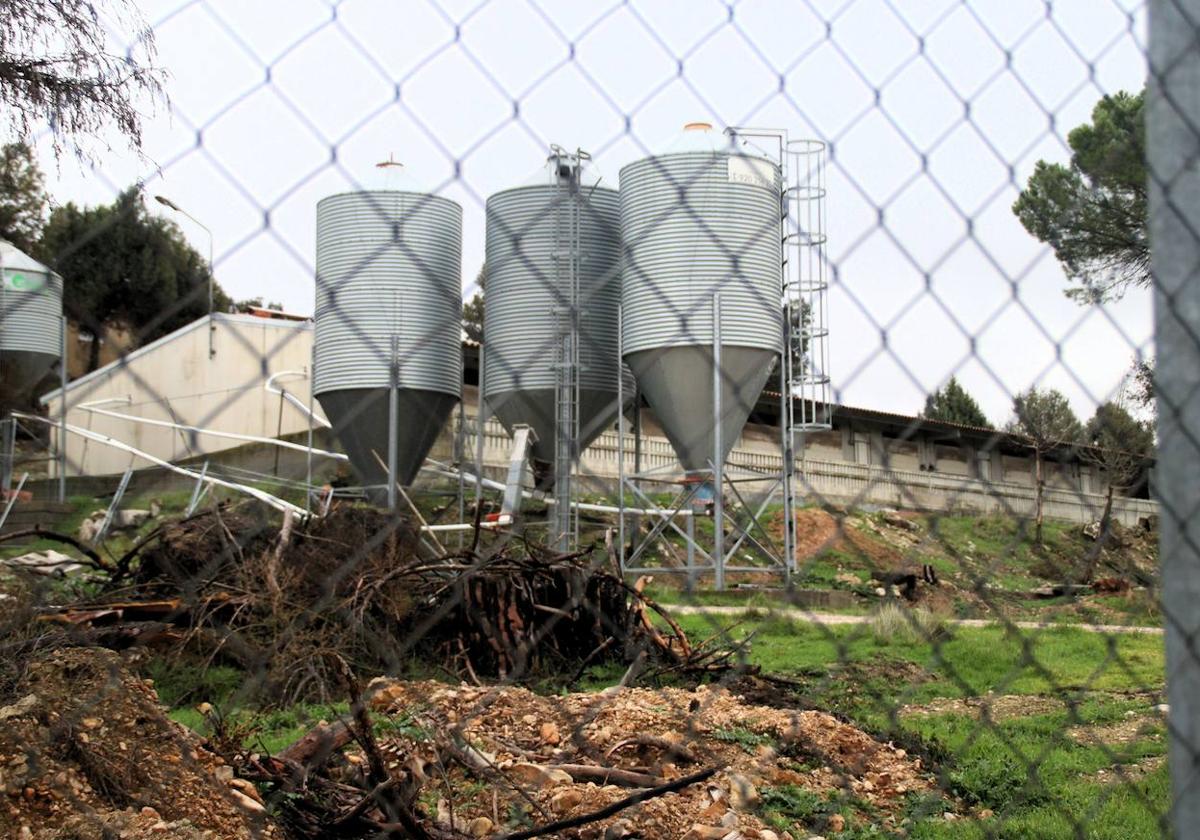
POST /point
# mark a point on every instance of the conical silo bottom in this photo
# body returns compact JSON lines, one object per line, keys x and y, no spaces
{"x":677,"y":382}
{"x":534,"y":407}
{"x":20,"y":370}
{"x":360,"y":423}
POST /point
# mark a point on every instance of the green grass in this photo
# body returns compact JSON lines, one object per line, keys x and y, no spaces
{"x":180,"y":683}
{"x":68,"y":523}
{"x":744,"y":738}
{"x":1059,"y":798}
{"x":969,"y":660}
{"x":1002,"y":549}
{"x":269,"y":730}
{"x":985,"y":766}
{"x":1023,"y":761}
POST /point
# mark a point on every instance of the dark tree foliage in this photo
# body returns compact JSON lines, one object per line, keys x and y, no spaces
{"x":472,"y":314}
{"x":23,"y":198}
{"x":57,"y":68}
{"x":1046,"y":418}
{"x":1114,"y":428}
{"x":1143,"y":383}
{"x":255,"y":303}
{"x":121,"y":264}
{"x":952,"y":404}
{"x":1093,"y":212}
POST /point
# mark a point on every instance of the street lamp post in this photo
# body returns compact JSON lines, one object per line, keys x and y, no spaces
{"x":212,"y":327}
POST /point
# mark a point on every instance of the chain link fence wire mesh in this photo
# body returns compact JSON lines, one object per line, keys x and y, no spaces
{"x":601,"y":462}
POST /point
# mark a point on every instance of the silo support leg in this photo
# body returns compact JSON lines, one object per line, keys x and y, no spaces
{"x":523,"y":439}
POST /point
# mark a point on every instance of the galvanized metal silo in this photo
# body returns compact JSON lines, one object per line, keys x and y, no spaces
{"x":30,"y":321}
{"x":701,"y":219}
{"x":553,"y":252}
{"x":389,"y":304}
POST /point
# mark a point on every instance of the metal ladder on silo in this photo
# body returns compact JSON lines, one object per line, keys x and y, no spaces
{"x":806,"y":325}
{"x":566,"y":363}
{"x":806,"y":285}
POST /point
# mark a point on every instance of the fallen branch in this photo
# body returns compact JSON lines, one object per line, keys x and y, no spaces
{"x":599,"y":649}
{"x":363,"y":805}
{"x":670,"y":748}
{"x":667,"y":617}
{"x":42,"y":533}
{"x":315,"y":747}
{"x":608,"y":775}
{"x":397,"y":811}
{"x":615,"y":808}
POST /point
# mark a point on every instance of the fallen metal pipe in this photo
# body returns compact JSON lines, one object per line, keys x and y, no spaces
{"x":91,"y":407}
{"x":262,"y":496}
{"x":292,"y":398}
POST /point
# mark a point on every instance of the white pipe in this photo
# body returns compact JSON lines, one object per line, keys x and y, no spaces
{"x":629,"y":511}
{"x":291,"y":398}
{"x":262,"y":496}
{"x":337,"y":456}
{"x":125,"y":400}
{"x":496,"y":485}
{"x":467,"y":526}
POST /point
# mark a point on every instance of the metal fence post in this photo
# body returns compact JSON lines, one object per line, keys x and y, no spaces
{"x":64,"y":375}
{"x":1173,"y":146}
{"x":718,"y":474}
{"x":8,"y":436}
{"x":393,"y":432}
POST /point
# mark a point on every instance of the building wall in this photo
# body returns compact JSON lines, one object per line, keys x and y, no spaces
{"x":175,"y":380}
{"x":826,"y":480}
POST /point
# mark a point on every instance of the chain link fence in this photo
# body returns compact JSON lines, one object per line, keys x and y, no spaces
{"x":637,"y":496}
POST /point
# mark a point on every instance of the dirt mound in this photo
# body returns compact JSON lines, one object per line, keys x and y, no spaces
{"x":819,"y":530}
{"x":577,"y":753}
{"x":87,"y":752}
{"x":816,"y":531}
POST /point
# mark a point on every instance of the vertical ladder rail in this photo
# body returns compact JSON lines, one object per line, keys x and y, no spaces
{"x":566,"y":275}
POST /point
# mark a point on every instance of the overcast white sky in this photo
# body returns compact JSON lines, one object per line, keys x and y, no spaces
{"x":469,"y":95}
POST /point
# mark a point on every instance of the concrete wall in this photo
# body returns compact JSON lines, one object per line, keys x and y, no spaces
{"x":174,"y":379}
{"x":825,"y":480}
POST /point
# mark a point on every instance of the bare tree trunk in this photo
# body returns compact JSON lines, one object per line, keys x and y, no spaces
{"x":1041,"y":483}
{"x":94,"y":353}
{"x":1101,"y":538}
{"x":1106,"y":517}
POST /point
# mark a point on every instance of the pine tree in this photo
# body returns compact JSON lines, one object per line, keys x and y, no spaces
{"x":952,"y":404}
{"x":472,"y":314}
{"x":1121,"y":446}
